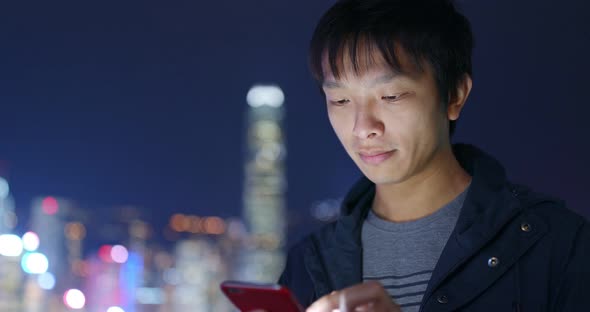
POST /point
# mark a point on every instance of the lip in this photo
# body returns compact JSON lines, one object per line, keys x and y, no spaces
{"x":375,"y":157}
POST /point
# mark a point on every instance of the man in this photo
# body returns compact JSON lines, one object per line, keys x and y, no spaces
{"x":430,"y":226}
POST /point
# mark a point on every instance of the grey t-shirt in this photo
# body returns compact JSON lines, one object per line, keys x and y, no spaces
{"x":403,"y":255}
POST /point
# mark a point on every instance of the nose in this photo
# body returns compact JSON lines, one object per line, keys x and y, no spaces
{"x":367,"y":124}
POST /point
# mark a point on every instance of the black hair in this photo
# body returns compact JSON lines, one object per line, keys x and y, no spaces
{"x":430,"y":32}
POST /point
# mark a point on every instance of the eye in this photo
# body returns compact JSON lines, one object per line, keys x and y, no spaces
{"x":339,"y":102}
{"x":393,"y":98}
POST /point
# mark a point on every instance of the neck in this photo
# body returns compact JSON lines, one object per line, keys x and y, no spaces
{"x":436,"y":185}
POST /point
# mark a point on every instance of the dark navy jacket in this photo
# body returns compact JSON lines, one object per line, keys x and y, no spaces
{"x":542,"y":248}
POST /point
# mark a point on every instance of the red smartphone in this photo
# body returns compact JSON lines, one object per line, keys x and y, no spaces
{"x":250,"y":297}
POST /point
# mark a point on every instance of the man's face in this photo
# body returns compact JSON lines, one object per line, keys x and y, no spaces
{"x":391,"y":125}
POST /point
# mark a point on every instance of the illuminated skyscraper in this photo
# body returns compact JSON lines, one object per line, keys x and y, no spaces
{"x":264,"y":185}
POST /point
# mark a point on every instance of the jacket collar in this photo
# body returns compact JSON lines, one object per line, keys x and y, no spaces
{"x":489,"y":205}
{"x":488,"y":180}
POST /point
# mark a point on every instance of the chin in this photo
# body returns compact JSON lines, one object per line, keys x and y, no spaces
{"x":383,"y":179}
{"x":385,"y":173}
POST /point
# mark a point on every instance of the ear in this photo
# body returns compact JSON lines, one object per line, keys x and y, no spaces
{"x":457,"y":102}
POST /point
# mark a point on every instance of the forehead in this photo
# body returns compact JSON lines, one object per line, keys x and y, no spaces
{"x":368,"y":79}
{"x":364,"y":60}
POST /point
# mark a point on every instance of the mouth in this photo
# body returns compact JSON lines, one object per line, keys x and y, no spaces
{"x":375,"y":157}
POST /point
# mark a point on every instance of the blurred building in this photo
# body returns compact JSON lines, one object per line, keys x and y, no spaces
{"x":112,"y":278}
{"x":264,"y":186}
{"x":199,"y":270}
{"x":119,"y":270}
{"x":10,"y":273}
{"x":56,"y":265}
{"x":48,"y":217}
{"x":7,"y":215}
{"x":10,"y":284}
{"x":131,"y":271}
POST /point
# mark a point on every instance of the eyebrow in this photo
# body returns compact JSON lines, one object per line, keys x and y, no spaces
{"x":332,"y":84}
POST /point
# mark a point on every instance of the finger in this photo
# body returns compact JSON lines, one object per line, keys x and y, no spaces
{"x":361,"y":294}
{"x":327,"y":303}
{"x":342,"y":306}
{"x":365,"y":308}
{"x":368,"y":293}
{"x":368,"y":296}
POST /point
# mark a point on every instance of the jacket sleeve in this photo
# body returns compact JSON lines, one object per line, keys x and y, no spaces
{"x":296,"y":278}
{"x":573,"y":293}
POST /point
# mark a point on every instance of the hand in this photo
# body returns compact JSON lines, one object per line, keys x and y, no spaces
{"x":365,"y":297}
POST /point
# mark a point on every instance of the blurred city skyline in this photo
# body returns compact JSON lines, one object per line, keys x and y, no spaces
{"x":57,"y":265}
{"x":143,"y":104}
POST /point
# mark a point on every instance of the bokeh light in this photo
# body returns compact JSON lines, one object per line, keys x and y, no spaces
{"x":269,"y":95}
{"x":34,"y":263}
{"x":179,"y":222}
{"x":75,"y":231}
{"x":46,"y":281}
{"x":49,"y":205}
{"x":104,"y":253}
{"x":214,"y":225}
{"x":10,"y":245}
{"x":30,"y":241}
{"x":74,"y":299}
{"x":115,"y":309}
{"x":119,"y":254}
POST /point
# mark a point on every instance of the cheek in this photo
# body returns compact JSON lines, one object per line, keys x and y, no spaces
{"x":339,"y":125}
{"x":414,"y":126}
{"x":405,"y":124}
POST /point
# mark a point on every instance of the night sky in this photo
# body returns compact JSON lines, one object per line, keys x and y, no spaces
{"x":142,"y":103}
